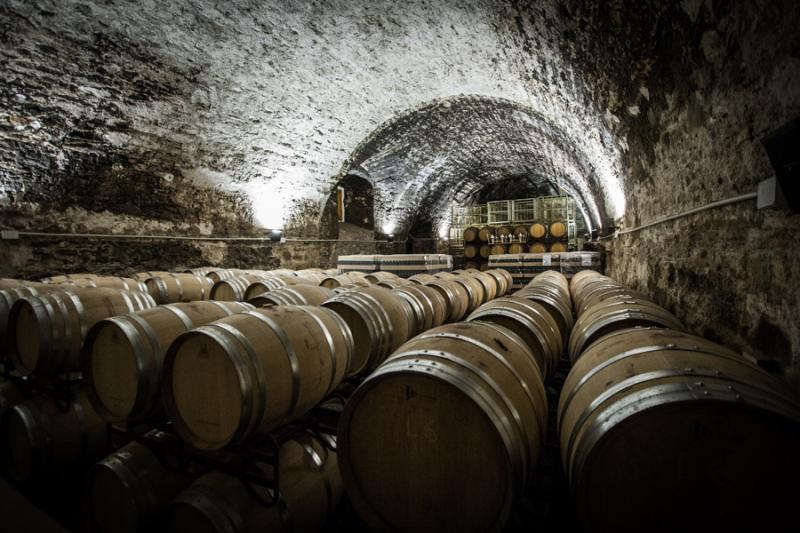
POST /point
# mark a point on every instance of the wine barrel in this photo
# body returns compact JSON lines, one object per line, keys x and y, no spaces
{"x":130,"y":489}
{"x":455,"y":296}
{"x":503,"y":231}
{"x":532,"y":323}
{"x":422,"y":279}
{"x":294,"y":295}
{"x":521,"y":233}
{"x":11,"y":295}
{"x":122,"y":356}
{"x":10,"y":283}
{"x":558,"y":230}
{"x":612,"y":315}
{"x":315,"y":275}
{"x":537,"y":230}
{"x":280,"y":272}
{"x":347,"y":287}
{"x":585,"y":277}
{"x":597,"y":293}
{"x":46,"y":332}
{"x":108,"y":282}
{"x":310,"y":489}
{"x":485,"y":233}
{"x":471,"y":251}
{"x":224,"y":273}
{"x":348,"y":278}
{"x":10,"y":395}
{"x":375,"y":277}
{"x":484,"y":266}
{"x":42,"y":442}
{"x":68,"y":277}
{"x":537,"y":248}
{"x":236,"y":289}
{"x":445,"y":275}
{"x":504,"y":279}
{"x":179,"y":288}
{"x":475,"y":291}
{"x":553,"y":279}
{"x":489,"y":283}
{"x":498,"y":249}
{"x":471,"y":234}
{"x":380,"y":321}
{"x":485,"y":251}
{"x":394,"y":283}
{"x":558,"y":307}
{"x":144,"y":276}
{"x":200,"y":271}
{"x":253,"y":372}
{"x":263,"y":285}
{"x":659,"y":423}
{"x":469,"y":265}
{"x":429,"y":306}
{"x":558,"y":247}
{"x":454,"y":411}
{"x":516,"y":248}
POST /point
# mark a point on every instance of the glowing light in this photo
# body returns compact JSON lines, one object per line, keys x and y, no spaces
{"x":389,"y":226}
{"x":444,"y":231}
{"x":270,"y":206}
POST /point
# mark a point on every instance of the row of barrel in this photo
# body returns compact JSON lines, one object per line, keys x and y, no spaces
{"x":475,"y":252}
{"x":664,"y":430}
{"x":222,"y":370}
{"x":536,"y":231}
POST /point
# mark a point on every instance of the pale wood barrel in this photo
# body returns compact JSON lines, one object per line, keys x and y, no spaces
{"x":235,"y":289}
{"x":583,"y":278}
{"x":375,"y":277}
{"x":294,"y":295}
{"x":179,"y":288}
{"x":485,"y":233}
{"x":455,"y":296}
{"x":394,"y":283}
{"x":558,"y":307}
{"x":123,"y":355}
{"x":537,"y":248}
{"x":42,"y":442}
{"x":380,"y":321}
{"x":660,"y":423}
{"x":422,"y":279}
{"x":471,"y":234}
{"x":597,"y":293}
{"x":537,"y":230}
{"x":347,"y":278}
{"x":347,"y":287}
{"x":558,"y":247}
{"x":453,"y":423}
{"x":108,"y":282}
{"x":445,"y":275}
{"x":498,"y":249}
{"x":253,"y":372}
{"x":553,"y":279}
{"x":504,"y":279}
{"x":314,"y":275}
{"x":261,"y":285}
{"x":310,"y":487}
{"x":517,"y":248}
{"x":558,"y":230}
{"x":200,"y":271}
{"x":10,"y":283}
{"x":68,"y":277}
{"x":491,"y":288}
{"x":130,"y":489}
{"x":144,"y":276}
{"x":429,"y":306}
{"x":224,"y":273}
{"x":475,"y":291}
{"x":46,"y":332}
{"x":532,"y":322}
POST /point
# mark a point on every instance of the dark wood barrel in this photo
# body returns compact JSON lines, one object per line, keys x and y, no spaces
{"x":42,"y":442}
{"x":503,"y":231}
{"x":375,"y":277}
{"x":537,"y":230}
{"x":485,"y":233}
{"x":471,"y":251}
{"x":558,"y":229}
{"x":46,"y":332}
{"x":615,"y":314}
{"x":472,"y":265}
{"x":429,"y":306}
{"x":122,"y":355}
{"x":310,"y":491}
{"x":130,"y":489}
{"x":532,"y":322}
{"x":253,"y":372}
{"x":294,"y":295}
{"x":179,"y":288}
{"x":471,"y":234}
{"x":9,"y":296}
{"x":10,"y":395}
{"x":660,"y":423}
{"x":554,"y":302}
{"x":453,"y":422}
{"x":455,"y":296}
{"x":380,"y":321}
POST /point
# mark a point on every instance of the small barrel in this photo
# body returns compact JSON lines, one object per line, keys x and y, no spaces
{"x":43,"y":442}
{"x":461,"y":407}
{"x":46,"y":332}
{"x":612,"y":315}
{"x":517,"y":248}
{"x":455,"y":296}
{"x":380,"y":321}
{"x":122,"y":356}
{"x":394,"y":283}
{"x":498,"y":249}
{"x":556,"y":305}
{"x":294,"y":295}
{"x":234,"y":289}
{"x":253,"y":372}
{"x":471,"y":251}
{"x":557,"y":230}
{"x":310,"y":489}
{"x":537,"y":230}
{"x":375,"y":277}
{"x":422,"y":279}
{"x":429,"y":306}
{"x":179,"y":288}
{"x":532,"y":323}
{"x":537,"y":248}
{"x":261,"y":285}
{"x":471,"y":234}
{"x":558,"y":247}
{"x":130,"y":489}
{"x":659,"y":423}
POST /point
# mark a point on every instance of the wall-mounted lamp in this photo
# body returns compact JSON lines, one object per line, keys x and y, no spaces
{"x":276,"y":235}
{"x":390,"y":237}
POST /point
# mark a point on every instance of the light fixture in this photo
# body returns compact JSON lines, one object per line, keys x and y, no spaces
{"x":276,"y":235}
{"x":390,"y":237}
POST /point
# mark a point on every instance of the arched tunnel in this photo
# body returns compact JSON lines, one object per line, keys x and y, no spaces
{"x":145,"y":136}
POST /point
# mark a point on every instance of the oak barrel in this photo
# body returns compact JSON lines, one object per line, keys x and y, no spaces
{"x":476,"y":293}
{"x":537,"y":248}
{"x":11,"y":283}
{"x":261,"y":285}
{"x":347,"y":278}
{"x":235,"y":289}
{"x":498,"y":249}
{"x":10,"y":295}
{"x":517,"y":248}
{"x":108,"y":282}
{"x":485,"y":251}
{"x":455,"y":296}
{"x":123,"y":355}
{"x":294,"y":295}
{"x":375,"y":277}
{"x":179,"y":288}
{"x":253,"y":371}
{"x":429,"y":306}
{"x":521,"y":233}
{"x":471,"y":234}
{"x":471,"y":251}
{"x":422,"y":279}
{"x":394,"y":283}
{"x":558,"y":306}
{"x":503,"y":231}
{"x":558,"y":230}
{"x":537,"y":230}
{"x":445,"y":435}
{"x":558,"y":247}
{"x":485,"y":233}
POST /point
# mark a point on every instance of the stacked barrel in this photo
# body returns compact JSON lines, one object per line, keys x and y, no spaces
{"x":445,"y":434}
{"x":547,"y":236}
{"x":658,"y":424}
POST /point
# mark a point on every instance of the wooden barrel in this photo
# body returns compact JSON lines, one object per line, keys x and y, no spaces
{"x":224,"y":273}
{"x":503,"y":231}
{"x":504,"y":279}
{"x":659,"y":423}
{"x":584,"y":293}
{"x":375,"y":277}
{"x":472,"y":265}
{"x":597,"y":293}
{"x":517,"y":248}
{"x":498,"y":249}
{"x":455,"y":296}
{"x":521,"y":233}
{"x":352,"y":286}
{"x":583,"y":278}
{"x":294,"y":295}
{"x":46,"y":332}
{"x":11,"y":295}
{"x":475,"y":291}
{"x":454,"y":411}
{"x":558,"y":230}
{"x":262,"y":285}
{"x":485,"y":233}
{"x":347,"y":278}
{"x":471,"y":251}
{"x":422,"y":279}
{"x":380,"y":321}
{"x":253,"y":372}
{"x":445,"y":275}
{"x":144,"y":276}
{"x":537,"y":248}
{"x":429,"y":306}
{"x":200,"y":271}
{"x":43,"y":442}
{"x":122,"y":356}
{"x":281,"y":272}
{"x":179,"y":288}
{"x":537,"y":230}
{"x":314,"y":275}
{"x":489,"y":284}
{"x":108,"y":282}
{"x":310,"y":489}
{"x":484,"y":266}
{"x":68,"y":277}
{"x":485,"y":251}
{"x":532,"y":323}
{"x":554,"y":303}
{"x":615,"y":314}
{"x":394,"y":283}
{"x":471,"y":234}
{"x":558,"y":247}
{"x":236,"y":289}
{"x":10,"y":395}
{"x":130,"y":489}
{"x":553,"y":279}
{"x":10,"y":283}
